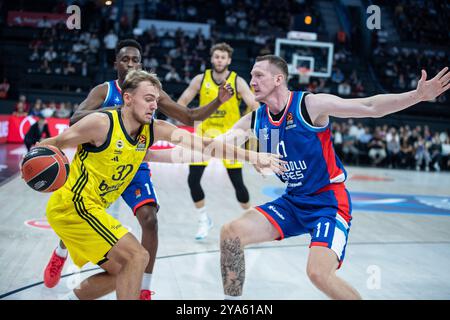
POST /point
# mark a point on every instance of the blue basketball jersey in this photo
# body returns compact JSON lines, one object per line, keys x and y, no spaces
{"x":114,"y":95}
{"x":312,"y":162}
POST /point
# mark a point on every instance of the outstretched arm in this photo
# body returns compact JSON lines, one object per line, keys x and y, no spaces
{"x":186,"y":115}
{"x":173,"y":155}
{"x":92,"y":102}
{"x":92,"y":129}
{"x":320,"y":106}
{"x":214,"y":148}
{"x":239,"y":133}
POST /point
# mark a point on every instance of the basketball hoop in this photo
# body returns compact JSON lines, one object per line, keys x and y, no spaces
{"x":304,"y":73}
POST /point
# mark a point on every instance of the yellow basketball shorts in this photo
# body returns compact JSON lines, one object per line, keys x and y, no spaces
{"x":86,"y":229}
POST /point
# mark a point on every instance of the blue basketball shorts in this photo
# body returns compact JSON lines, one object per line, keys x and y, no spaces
{"x":325,"y":215}
{"x":140,"y":192}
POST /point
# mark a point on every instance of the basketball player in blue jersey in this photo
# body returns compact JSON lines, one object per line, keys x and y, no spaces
{"x":296,"y":125}
{"x":140,"y":195}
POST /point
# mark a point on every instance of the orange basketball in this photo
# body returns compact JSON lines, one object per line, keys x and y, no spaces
{"x":45,"y":168}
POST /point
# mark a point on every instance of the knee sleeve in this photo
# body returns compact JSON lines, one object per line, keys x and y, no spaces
{"x":195,"y":175}
{"x":242,"y":194}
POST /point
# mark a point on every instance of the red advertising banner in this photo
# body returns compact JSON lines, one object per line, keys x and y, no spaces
{"x":13,"y":129}
{"x":4,"y":124}
{"x":34,"y":19}
{"x":19,"y":126}
{"x":57,"y":126}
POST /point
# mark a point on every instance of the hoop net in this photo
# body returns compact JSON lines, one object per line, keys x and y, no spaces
{"x":304,"y":74}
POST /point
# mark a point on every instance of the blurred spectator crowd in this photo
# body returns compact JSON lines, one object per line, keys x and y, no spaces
{"x":424,"y":44}
{"x":402,"y":147}
{"x":421,"y":21}
{"x":400,"y":67}
{"x":56,"y":51}
{"x":175,"y":57}
{"x":44,"y":109}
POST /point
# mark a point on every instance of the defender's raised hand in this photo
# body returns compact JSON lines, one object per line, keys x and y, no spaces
{"x":226,"y":91}
{"x":428,"y":90}
{"x":269,"y":161}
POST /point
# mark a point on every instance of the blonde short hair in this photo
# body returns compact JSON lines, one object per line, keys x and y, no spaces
{"x":135,"y":77}
{"x":276,"y":61}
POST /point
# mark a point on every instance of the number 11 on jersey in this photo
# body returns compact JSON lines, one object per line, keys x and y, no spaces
{"x":281,"y":149}
{"x":148,"y":189}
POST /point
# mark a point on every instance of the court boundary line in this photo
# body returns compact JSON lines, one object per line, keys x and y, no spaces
{"x":249,"y":248}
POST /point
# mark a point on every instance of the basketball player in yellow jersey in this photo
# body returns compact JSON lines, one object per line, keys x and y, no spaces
{"x":111,"y":146}
{"x":207,"y":85}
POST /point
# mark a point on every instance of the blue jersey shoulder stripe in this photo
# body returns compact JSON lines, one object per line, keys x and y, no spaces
{"x":302,"y":120}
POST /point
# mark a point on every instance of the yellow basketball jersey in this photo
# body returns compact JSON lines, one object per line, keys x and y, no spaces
{"x":228,"y":113}
{"x":99,"y":175}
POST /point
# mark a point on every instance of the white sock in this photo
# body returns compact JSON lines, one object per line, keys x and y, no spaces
{"x":71,"y":296}
{"x":201,"y":212}
{"x":232,"y":297}
{"x":61,"y":252}
{"x":146,"y":281}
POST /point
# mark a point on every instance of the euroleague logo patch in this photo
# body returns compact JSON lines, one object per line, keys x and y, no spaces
{"x":137,"y":193}
{"x":289,"y":117}
{"x":142,"y":143}
{"x":40,"y":223}
{"x":290,"y":121}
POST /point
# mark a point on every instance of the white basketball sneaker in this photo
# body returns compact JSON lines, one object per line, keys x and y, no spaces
{"x":204,"y":225}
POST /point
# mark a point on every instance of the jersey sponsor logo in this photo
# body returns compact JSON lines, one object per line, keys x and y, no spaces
{"x":276,"y":211}
{"x":293,"y":185}
{"x":108,"y":189}
{"x":115,"y":159}
{"x":294,"y":171}
{"x":116,"y":227}
{"x":218,"y":114}
{"x":142,"y":143}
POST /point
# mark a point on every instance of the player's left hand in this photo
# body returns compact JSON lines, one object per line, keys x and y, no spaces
{"x":226,"y":91}
{"x":267,"y":162}
{"x":429,"y":90}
